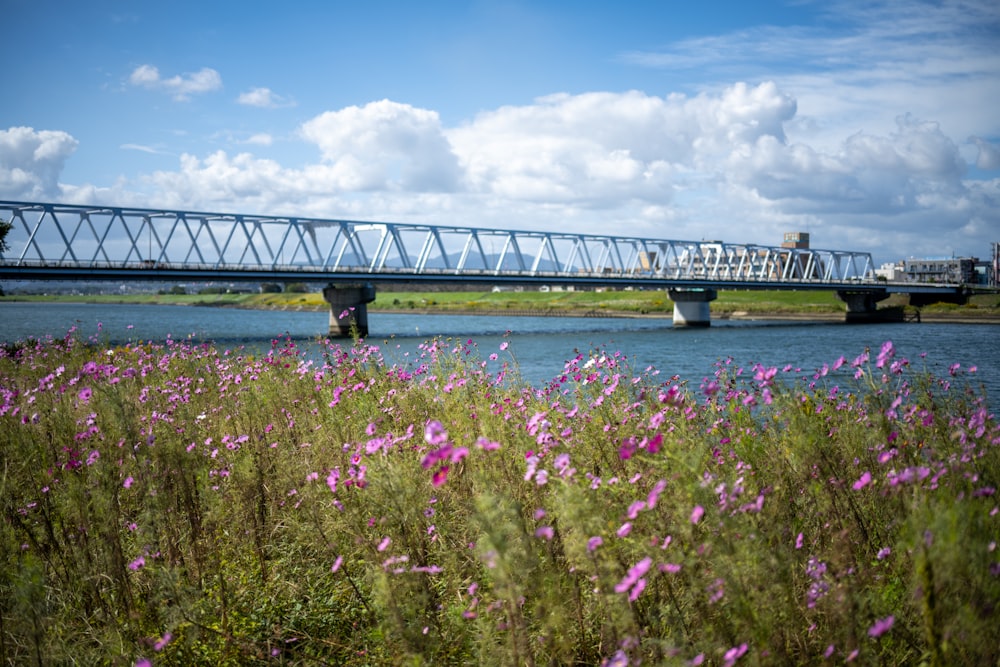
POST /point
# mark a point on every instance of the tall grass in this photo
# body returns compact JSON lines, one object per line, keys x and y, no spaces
{"x":182,"y":504}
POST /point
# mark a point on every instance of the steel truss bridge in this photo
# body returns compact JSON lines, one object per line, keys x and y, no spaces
{"x":60,"y":241}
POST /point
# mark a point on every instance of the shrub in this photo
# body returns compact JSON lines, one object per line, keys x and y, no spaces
{"x":215,"y":507}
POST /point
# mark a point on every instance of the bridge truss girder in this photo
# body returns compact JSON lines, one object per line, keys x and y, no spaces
{"x":75,"y":238}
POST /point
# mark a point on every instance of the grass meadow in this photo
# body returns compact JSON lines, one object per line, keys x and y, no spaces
{"x":177,"y":503}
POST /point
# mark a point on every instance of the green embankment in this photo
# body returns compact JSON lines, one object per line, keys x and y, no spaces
{"x":625,"y":303}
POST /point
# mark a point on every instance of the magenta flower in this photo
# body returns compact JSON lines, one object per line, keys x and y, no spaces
{"x":863,"y":481}
{"x":85,"y":394}
{"x":163,"y":641}
{"x":697,"y":513}
{"x":544,"y":532}
{"x":632,"y":579}
{"x":434,"y":433}
{"x":881,"y":626}
{"x":635,"y":508}
{"x":594,"y":542}
{"x":137,"y":563}
{"x":885,"y":354}
{"x":337,"y":563}
{"x":734,"y":654}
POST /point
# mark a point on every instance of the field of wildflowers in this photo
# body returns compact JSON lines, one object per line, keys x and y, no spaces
{"x":180,"y":504}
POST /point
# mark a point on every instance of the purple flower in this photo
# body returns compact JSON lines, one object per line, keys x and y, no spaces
{"x":734,"y":654}
{"x":634,"y":575}
{"x":697,"y":513}
{"x":863,"y":481}
{"x":434,"y":433}
{"x":163,"y":641}
{"x":594,"y":542}
{"x":85,"y":394}
{"x":881,"y":626}
{"x":544,"y":532}
{"x":885,"y":354}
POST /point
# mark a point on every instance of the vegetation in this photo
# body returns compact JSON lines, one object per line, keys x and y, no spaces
{"x":193,"y":505}
{"x":625,"y":302}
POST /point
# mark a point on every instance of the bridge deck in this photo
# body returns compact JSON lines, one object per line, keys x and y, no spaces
{"x":60,"y":241}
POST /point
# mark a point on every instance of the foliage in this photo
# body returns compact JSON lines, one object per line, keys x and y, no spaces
{"x":5,"y":227}
{"x":192,"y":505}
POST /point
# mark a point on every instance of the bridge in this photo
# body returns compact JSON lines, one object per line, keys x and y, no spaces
{"x":50,"y":241}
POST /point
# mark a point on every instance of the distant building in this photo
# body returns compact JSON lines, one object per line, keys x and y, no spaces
{"x":796,"y":240}
{"x":954,"y":270}
{"x":994,"y":280}
{"x":891,"y":271}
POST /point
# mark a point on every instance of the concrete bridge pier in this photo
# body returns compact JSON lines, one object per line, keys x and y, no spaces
{"x":349,"y":308}
{"x":691,"y":306}
{"x":862,"y":305}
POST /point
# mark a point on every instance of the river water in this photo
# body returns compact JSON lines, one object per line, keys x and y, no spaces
{"x":540,"y":345}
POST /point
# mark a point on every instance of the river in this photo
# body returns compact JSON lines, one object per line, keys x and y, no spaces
{"x":540,"y":345}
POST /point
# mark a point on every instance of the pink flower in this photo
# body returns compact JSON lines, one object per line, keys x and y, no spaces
{"x":128,"y":482}
{"x":635,"y":508}
{"x":885,"y":354}
{"x":798,"y":541}
{"x":594,"y":542}
{"x":487,"y":445}
{"x":734,"y":654}
{"x":434,"y":433}
{"x":697,"y":513}
{"x":881,"y":626}
{"x":384,"y":544}
{"x":85,"y":394}
{"x":633,"y":578}
{"x":863,"y":481}
{"x":137,"y":563}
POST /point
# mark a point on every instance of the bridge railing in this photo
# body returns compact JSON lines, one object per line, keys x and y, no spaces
{"x":80,"y":237}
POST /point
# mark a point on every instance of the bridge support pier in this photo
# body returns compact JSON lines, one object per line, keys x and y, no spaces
{"x":862,"y":305}
{"x":691,"y":306}
{"x":349,"y":308}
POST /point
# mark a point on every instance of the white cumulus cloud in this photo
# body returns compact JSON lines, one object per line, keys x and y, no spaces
{"x":384,"y":145}
{"x":31,"y":161}
{"x":989,"y":154}
{"x":181,"y":86}
{"x":719,"y":164}
{"x":264,"y":98}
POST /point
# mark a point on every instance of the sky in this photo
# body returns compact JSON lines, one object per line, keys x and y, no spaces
{"x":873,"y":126}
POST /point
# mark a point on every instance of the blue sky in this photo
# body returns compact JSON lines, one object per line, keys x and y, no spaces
{"x":871,"y":125}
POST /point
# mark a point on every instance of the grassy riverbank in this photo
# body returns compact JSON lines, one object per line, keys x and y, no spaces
{"x":179,"y":504}
{"x":730,"y":303}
